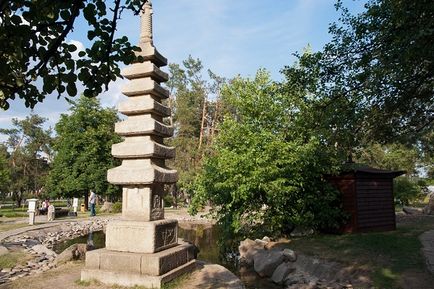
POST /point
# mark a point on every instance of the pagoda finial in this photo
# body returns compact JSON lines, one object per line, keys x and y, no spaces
{"x":146,"y":24}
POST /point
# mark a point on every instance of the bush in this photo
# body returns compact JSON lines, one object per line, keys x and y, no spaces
{"x":117,"y":207}
{"x":406,"y":191}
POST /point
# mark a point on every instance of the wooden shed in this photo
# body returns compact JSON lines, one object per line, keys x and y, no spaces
{"x":368,"y":198}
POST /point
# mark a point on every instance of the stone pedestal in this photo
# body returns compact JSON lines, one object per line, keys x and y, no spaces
{"x":142,"y":248}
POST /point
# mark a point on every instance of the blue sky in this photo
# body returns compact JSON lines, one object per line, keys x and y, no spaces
{"x":230,"y":37}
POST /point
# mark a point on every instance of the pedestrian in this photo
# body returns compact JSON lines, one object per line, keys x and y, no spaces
{"x":92,"y":202}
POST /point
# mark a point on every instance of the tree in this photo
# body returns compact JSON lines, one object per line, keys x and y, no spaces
{"x":377,"y":71}
{"x":35,"y":48}
{"x":29,"y":146}
{"x":265,"y":170}
{"x":391,"y":157}
{"x":195,"y":103}
{"x":83,"y":151}
{"x":5,"y":175}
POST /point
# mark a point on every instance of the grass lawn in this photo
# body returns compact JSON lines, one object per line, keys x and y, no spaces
{"x":389,"y":256}
{"x":11,"y":226}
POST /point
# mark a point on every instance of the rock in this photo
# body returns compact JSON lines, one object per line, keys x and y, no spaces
{"x":266,"y":239}
{"x":248,"y":249}
{"x":265,"y":262}
{"x":107,"y":207}
{"x":6,"y":270}
{"x":412,"y":211}
{"x":290,"y":255}
{"x":30,"y":243}
{"x":3,"y":250}
{"x":41,"y":249}
{"x":73,"y":252}
{"x":281,"y":272}
{"x":429,"y":209}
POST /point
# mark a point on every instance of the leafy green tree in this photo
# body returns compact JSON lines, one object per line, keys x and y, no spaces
{"x":391,"y":157}
{"x":377,"y":71}
{"x":5,"y":174}
{"x":29,"y":145}
{"x":35,"y":48}
{"x":83,"y":151}
{"x":265,"y":169}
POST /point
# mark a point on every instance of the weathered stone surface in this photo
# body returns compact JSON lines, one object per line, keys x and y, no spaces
{"x":281,"y":273}
{"x":41,"y":249}
{"x":141,"y":147}
{"x":150,"y":53}
{"x":429,"y":209}
{"x":248,"y":249}
{"x":145,"y":69}
{"x":132,"y":279}
{"x":265,"y":262}
{"x":106,"y":207}
{"x":143,"y":86}
{"x":143,"y":104}
{"x":141,"y":237}
{"x":290,"y":255}
{"x":143,"y":203}
{"x":3,"y":250}
{"x":140,"y":172}
{"x":73,"y":252}
{"x":139,"y":125}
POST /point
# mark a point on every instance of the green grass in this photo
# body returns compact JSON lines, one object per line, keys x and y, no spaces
{"x":388,"y":254}
{"x":8,"y":226}
{"x":13,"y":259}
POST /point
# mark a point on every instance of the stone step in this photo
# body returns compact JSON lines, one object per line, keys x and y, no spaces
{"x":143,"y":104}
{"x":142,"y":125}
{"x":145,"y":69}
{"x":143,"y":86}
{"x":141,"y":147}
{"x":141,"y":172}
{"x":129,"y":279}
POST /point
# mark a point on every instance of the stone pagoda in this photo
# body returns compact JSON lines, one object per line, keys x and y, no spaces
{"x":142,"y":247}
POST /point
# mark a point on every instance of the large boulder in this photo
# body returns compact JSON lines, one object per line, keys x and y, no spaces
{"x":73,"y":252}
{"x":281,"y":273}
{"x":107,"y":207}
{"x":41,"y":249}
{"x":248,"y":249}
{"x":265,"y":262}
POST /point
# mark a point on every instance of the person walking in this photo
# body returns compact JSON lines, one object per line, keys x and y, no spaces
{"x":92,"y":202}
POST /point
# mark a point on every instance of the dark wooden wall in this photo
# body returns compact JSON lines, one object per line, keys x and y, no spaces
{"x":375,"y":205}
{"x":368,"y":198}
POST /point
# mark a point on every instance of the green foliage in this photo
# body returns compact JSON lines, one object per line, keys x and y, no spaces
{"x":5,"y":173}
{"x":406,"y":190}
{"x":83,"y":150}
{"x":195,"y":117}
{"x":391,"y":157}
{"x":29,"y":147}
{"x":117,"y":208}
{"x":265,"y":168}
{"x":33,"y":41}
{"x":375,"y":76}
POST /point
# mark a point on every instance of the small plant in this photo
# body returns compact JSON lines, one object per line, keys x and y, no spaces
{"x":117,"y":207}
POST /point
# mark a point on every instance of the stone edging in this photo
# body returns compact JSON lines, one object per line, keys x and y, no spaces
{"x":427,"y":240}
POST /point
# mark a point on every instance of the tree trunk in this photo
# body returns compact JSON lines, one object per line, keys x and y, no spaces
{"x":202,"y":125}
{"x":86,"y":200}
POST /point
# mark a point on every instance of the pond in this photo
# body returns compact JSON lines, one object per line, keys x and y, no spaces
{"x":205,"y":237}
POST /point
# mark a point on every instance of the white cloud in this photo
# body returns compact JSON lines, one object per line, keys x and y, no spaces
{"x":80,"y":47}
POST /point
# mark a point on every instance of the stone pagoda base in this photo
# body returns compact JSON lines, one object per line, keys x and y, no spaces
{"x":130,"y":269}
